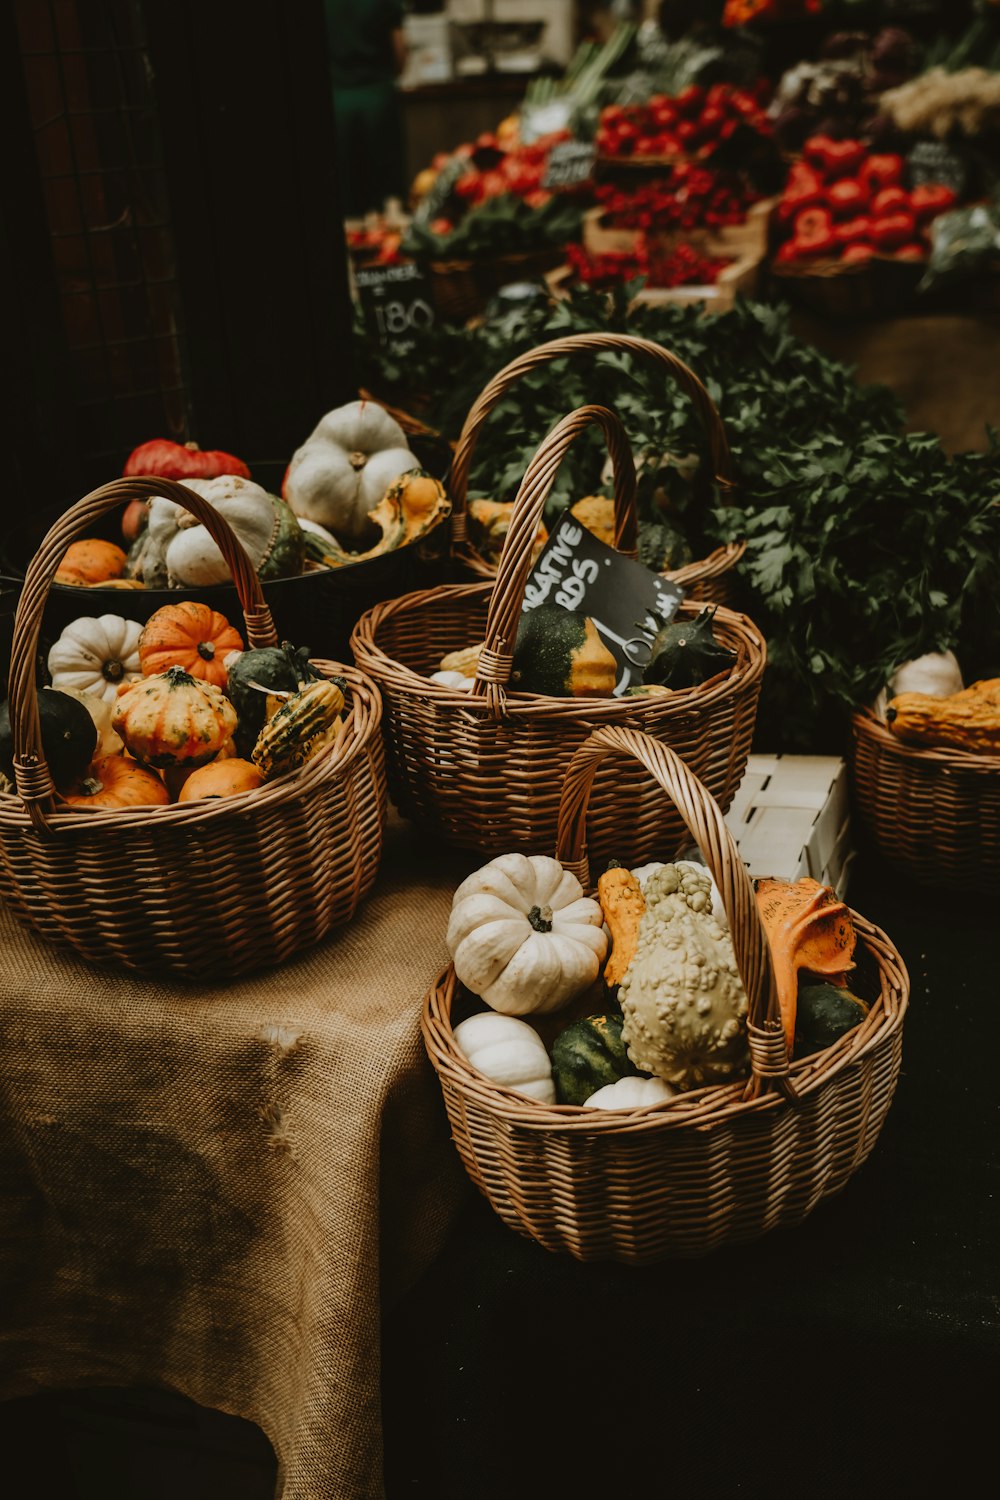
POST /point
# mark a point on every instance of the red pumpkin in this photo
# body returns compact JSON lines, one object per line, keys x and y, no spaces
{"x":181,"y":461}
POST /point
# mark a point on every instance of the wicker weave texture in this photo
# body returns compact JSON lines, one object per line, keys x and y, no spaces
{"x":484,"y":771}
{"x":933,"y":814}
{"x":197,"y":888}
{"x":712,"y":1167}
{"x":709,"y":578}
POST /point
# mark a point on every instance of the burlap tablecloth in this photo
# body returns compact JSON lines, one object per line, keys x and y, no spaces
{"x":202,"y":1187}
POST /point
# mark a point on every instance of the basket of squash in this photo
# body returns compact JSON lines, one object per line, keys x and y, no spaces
{"x":178,"y":797}
{"x":478,"y":526}
{"x":926,"y":772}
{"x":670,"y":1060}
{"x":485,"y":704}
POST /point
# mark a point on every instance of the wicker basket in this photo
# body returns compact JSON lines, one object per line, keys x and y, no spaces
{"x":933,"y":814}
{"x":708,"y":579}
{"x":196,"y":888}
{"x":712,"y":1167}
{"x":483,"y":770}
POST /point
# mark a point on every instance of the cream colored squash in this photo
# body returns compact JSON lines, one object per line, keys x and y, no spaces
{"x":345,"y":466}
{"x":631,"y":1093}
{"x":508,"y":1051}
{"x":523,"y":936}
{"x":95,"y":655}
{"x":180,"y":547}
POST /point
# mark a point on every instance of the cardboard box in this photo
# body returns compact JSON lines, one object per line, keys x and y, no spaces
{"x":790,"y":818}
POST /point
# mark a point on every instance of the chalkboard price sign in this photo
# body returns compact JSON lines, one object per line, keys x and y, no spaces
{"x":396,"y":304}
{"x":627,"y":602}
{"x":569,"y":164}
{"x":932,"y":161}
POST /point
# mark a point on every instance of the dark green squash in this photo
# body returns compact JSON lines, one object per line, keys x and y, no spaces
{"x":560,"y":654}
{"x":662,"y":547}
{"x":278,"y":669}
{"x":823,"y":1014}
{"x":686,"y":653}
{"x":587,"y":1055}
{"x":69,"y":736}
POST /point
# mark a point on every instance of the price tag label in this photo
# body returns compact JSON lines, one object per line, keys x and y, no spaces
{"x":932,"y":161}
{"x":626,"y":601}
{"x":396,"y":304}
{"x":569,"y":163}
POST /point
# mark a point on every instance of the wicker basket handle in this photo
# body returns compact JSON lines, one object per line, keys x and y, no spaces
{"x":765,"y":1034}
{"x":34,"y":783}
{"x":578,"y":343}
{"x":507,"y":597}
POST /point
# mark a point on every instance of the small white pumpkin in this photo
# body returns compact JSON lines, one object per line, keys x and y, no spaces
{"x":345,"y":466}
{"x":454,"y":680}
{"x":631,"y":1093}
{"x":937,"y":674}
{"x":523,"y":936}
{"x":181,"y":548}
{"x":96,"y":654}
{"x":508,"y":1051}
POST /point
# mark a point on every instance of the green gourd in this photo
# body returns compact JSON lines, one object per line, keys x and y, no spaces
{"x":559,"y":653}
{"x":276,"y":669}
{"x":823,"y":1014}
{"x":662,"y":547}
{"x":685,"y":653}
{"x":303,"y":726}
{"x":69,"y":737}
{"x":587,"y":1055}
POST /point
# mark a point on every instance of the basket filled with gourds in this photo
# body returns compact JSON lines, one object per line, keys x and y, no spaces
{"x":925,"y":766}
{"x":176,"y":796}
{"x":667,"y":1060}
{"x":479,"y":526}
{"x":485,"y":703}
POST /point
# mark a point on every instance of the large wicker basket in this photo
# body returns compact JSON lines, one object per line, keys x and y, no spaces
{"x":934,"y":815}
{"x":484,"y":770}
{"x":194,"y":888}
{"x":712,"y":1167}
{"x":711,"y":577}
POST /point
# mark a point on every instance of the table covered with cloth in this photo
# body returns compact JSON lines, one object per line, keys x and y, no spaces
{"x":214,"y":1188}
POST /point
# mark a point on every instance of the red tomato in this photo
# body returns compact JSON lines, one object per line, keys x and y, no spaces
{"x":857,"y":252}
{"x":893,"y":230}
{"x":914,"y":251}
{"x":847,"y":197}
{"x":441,"y":226}
{"x":890,"y":200}
{"x":854,"y":231}
{"x":930,"y":199}
{"x":690,"y":100}
{"x":882,"y":171}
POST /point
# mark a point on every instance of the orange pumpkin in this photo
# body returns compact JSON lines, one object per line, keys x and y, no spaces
{"x":91,"y":561}
{"x":115,"y":781}
{"x":226,"y":778}
{"x":190,"y":636}
{"x":174,"y":719}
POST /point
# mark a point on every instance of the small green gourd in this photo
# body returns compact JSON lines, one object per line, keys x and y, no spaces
{"x":587,"y":1055}
{"x":302,"y":727}
{"x":560,"y":653}
{"x":662,"y":547}
{"x":685,"y":653}
{"x":823,"y":1014}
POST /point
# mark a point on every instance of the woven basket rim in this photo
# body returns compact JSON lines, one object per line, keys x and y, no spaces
{"x":362,"y":722}
{"x":946,"y":758}
{"x":698,"y":1109}
{"x":378,"y":664}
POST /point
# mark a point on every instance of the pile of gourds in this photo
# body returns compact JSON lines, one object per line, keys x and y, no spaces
{"x":930,"y":707}
{"x":174,"y":711}
{"x":647,"y":971}
{"x":352,"y":491}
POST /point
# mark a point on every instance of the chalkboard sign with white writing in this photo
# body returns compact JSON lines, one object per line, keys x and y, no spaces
{"x":569,"y":164}
{"x":396,"y":304}
{"x":932,"y":161}
{"x":627,"y":602}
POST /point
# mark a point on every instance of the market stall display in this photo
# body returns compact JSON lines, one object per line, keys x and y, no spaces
{"x":481,"y":768}
{"x":101,"y":852}
{"x":762,"y":1095}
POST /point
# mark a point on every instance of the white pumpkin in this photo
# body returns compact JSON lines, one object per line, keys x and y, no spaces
{"x":937,"y":674}
{"x":180,"y":546}
{"x":95,"y":655}
{"x":508,"y":1051}
{"x":345,"y":466}
{"x":523,"y":936}
{"x":454,"y":680}
{"x":631,"y":1093}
